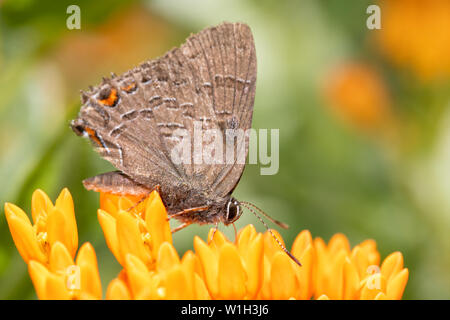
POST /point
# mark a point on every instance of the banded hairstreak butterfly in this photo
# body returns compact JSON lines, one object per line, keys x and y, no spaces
{"x":134,"y":120}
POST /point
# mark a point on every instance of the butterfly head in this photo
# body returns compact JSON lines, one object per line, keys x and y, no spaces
{"x":233,"y":212}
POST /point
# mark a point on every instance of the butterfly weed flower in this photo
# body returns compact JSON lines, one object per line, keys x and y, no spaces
{"x":358,"y":95}
{"x":138,"y":230}
{"x":51,"y":223}
{"x":62,"y":278}
{"x":49,"y":246}
{"x":252,"y":267}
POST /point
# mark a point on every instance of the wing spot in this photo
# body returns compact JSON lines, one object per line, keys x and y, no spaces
{"x":170,"y":125}
{"x":129,"y":88}
{"x":155,"y":102}
{"x":146,"y":113}
{"x":187,"y":105}
{"x":130,"y":115}
{"x":108,"y":97}
{"x":117,"y":131}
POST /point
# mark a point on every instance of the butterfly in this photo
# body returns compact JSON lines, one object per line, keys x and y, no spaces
{"x":132,"y":120}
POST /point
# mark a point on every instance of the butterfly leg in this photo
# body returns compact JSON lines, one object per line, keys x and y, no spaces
{"x":216,"y":227}
{"x":187,"y":211}
{"x":181,"y":226}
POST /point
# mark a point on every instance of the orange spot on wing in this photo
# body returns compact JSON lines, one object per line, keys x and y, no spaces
{"x":111,"y":100}
{"x":93,"y":136}
{"x":129,"y":88}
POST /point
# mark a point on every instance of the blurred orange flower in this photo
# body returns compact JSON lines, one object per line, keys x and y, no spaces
{"x":358,"y":94}
{"x":415,"y":35}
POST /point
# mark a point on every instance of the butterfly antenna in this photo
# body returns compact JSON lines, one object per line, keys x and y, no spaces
{"x":278,"y":223}
{"x":245,"y":204}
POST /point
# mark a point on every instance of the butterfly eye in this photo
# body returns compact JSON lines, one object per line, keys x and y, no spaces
{"x":233,"y":211}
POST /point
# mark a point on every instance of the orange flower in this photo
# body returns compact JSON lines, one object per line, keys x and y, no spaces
{"x":64,"y":279}
{"x":49,"y":247}
{"x":52,"y":223}
{"x":344,"y":273}
{"x":134,"y":231}
{"x":414,"y":35}
{"x":252,"y":267}
{"x":358,"y":95}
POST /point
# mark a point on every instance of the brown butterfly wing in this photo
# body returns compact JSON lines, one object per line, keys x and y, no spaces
{"x":132,"y":119}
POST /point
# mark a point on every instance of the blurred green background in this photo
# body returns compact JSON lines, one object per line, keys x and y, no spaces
{"x":364,"y":118}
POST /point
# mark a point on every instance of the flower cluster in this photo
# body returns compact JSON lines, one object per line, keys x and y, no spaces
{"x":49,"y":246}
{"x":139,"y":236}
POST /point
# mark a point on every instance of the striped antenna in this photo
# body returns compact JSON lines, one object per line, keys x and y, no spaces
{"x":247,"y":206}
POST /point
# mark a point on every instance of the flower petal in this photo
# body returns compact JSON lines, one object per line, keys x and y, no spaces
{"x":108,"y":224}
{"x":40,"y":204}
{"x":283,"y":279}
{"x":60,"y":258}
{"x":156,"y":221}
{"x":253,"y":259}
{"x":396,"y":285}
{"x":271,"y":246}
{"x":201,"y":292}
{"x":167,"y":257}
{"x":303,"y":250}
{"x":392,"y":265}
{"x":90,"y":277}
{"x":138,"y":275}
{"x":23,"y":234}
{"x":305,"y":273}
{"x":55,"y":288}
{"x":38,"y":274}
{"x":108,"y":203}
{"x":129,"y":237}
{"x":338,"y":242}
{"x":117,"y":290}
{"x":231,"y":276}
{"x":60,"y":228}
{"x":360,"y":260}
{"x":64,"y":202}
{"x":370,"y":247}
{"x":188,"y":264}
{"x":219,"y":238}
{"x":176,"y":284}
{"x":244,"y":237}
{"x":351,"y":281}
{"x":209,"y":262}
